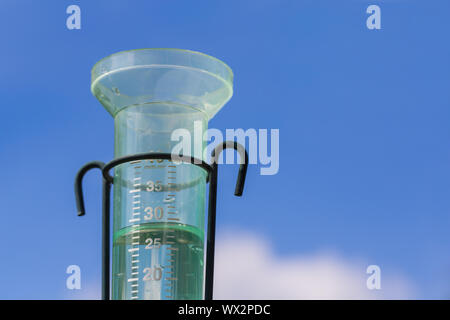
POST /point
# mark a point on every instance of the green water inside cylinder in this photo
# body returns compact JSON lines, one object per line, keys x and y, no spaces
{"x":169,"y":266}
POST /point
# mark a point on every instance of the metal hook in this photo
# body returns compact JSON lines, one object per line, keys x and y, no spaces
{"x":79,"y":198}
{"x":209,"y":278}
{"x":243,"y":163}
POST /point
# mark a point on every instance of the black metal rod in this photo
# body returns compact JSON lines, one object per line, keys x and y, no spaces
{"x":106,"y":227}
{"x":211,"y":234}
{"x":212,"y":205}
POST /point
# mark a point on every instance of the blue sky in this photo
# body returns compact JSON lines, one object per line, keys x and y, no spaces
{"x":364,"y":122}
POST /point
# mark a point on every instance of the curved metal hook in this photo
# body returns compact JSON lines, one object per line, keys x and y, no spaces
{"x":211,"y":236}
{"x":243,"y":163}
{"x":79,"y":198}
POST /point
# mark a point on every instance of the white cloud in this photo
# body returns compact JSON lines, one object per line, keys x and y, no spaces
{"x":247,"y":268}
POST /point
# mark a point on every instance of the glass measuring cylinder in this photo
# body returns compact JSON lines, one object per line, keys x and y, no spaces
{"x":159,"y":205}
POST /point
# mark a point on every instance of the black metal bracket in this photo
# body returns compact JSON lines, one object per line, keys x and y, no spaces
{"x":211,"y":169}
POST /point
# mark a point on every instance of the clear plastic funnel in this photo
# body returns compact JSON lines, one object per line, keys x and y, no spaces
{"x":159,"y":205}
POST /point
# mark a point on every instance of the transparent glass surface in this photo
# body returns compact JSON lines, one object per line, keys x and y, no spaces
{"x":159,"y":205}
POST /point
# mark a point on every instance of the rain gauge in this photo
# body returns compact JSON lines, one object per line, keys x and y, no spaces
{"x":161,"y":250}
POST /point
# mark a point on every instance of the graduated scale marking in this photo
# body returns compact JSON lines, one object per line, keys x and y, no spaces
{"x":136,"y":211}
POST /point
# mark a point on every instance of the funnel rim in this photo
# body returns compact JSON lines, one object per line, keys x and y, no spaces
{"x":96,"y":74}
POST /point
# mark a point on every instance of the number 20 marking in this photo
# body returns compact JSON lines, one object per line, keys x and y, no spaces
{"x":152,"y":274}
